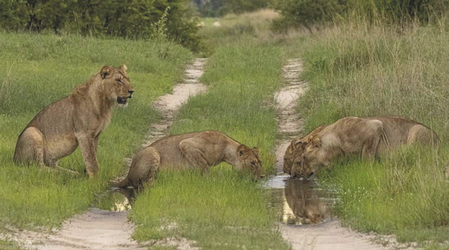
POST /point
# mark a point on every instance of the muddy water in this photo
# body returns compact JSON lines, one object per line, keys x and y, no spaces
{"x":300,"y":202}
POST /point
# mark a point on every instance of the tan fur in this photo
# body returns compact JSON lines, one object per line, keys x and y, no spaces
{"x":368,"y":137}
{"x":296,"y":148}
{"x":78,"y":119}
{"x":198,"y":149}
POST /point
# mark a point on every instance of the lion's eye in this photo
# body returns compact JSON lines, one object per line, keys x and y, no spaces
{"x":119,"y":80}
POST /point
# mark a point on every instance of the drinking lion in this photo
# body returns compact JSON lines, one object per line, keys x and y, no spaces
{"x":368,"y":137}
{"x":197,"y":149}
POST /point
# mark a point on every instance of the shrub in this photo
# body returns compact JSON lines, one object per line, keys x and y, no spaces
{"x":129,"y":19}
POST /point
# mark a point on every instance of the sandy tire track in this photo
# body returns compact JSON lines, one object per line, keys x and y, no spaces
{"x":327,"y":235}
{"x":102,"y":229}
{"x":169,"y":104}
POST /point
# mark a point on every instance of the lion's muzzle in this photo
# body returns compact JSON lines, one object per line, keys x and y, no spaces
{"x":124,"y":100}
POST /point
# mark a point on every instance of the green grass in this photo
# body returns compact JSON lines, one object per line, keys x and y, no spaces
{"x":405,"y":195}
{"x":8,"y":245}
{"x":356,"y":70}
{"x":40,"y":69}
{"x":225,"y":209}
{"x":237,"y":28}
{"x":242,"y":79}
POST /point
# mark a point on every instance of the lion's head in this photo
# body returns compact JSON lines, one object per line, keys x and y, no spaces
{"x":308,"y":163}
{"x":294,"y":151}
{"x":249,"y":160}
{"x":295,"y":162}
{"x":116,"y":84}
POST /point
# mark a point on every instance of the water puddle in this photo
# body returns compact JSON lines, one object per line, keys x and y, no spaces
{"x":116,"y":199}
{"x":300,"y":202}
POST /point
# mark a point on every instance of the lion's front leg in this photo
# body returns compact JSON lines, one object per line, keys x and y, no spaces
{"x":89,"y":152}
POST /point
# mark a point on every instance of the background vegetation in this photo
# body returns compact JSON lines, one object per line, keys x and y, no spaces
{"x":216,"y":8}
{"x":128,"y":19}
{"x":316,"y":13}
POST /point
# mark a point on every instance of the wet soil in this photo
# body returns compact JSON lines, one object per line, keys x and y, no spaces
{"x":107,"y":226}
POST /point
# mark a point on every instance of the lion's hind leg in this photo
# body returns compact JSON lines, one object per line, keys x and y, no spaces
{"x":423,"y":135}
{"x":30,"y":147}
{"x":144,"y":167}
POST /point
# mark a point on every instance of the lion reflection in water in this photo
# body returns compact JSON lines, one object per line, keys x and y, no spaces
{"x":308,"y":204}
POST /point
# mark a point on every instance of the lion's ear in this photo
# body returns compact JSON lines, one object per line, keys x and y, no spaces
{"x":241,"y":149}
{"x":316,"y":143}
{"x":298,"y":144}
{"x":123,"y":68}
{"x":105,"y":72}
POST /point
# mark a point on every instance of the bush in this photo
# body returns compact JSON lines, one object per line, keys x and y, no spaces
{"x":305,"y":13}
{"x":129,"y":19}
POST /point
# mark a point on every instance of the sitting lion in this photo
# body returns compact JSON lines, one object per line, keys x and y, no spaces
{"x":78,"y":119}
{"x":198,"y":149}
{"x":368,"y":137}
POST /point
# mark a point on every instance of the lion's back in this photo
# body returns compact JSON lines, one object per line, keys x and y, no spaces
{"x":172,"y":155}
{"x":56,"y":118}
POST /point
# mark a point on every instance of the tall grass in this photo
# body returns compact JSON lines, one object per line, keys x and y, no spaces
{"x":224,"y":209}
{"x":37,"y":70}
{"x":247,"y":26}
{"x":378,"y":71}
{"x":357,"y":70}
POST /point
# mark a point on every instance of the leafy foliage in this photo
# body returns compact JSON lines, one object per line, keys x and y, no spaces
{"x":305,"y":13}
{"x":129,"y":19}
